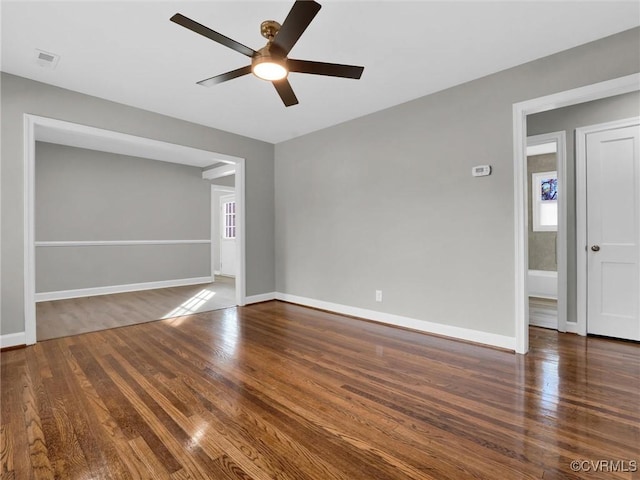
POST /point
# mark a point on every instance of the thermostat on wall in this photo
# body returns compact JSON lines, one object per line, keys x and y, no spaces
{"x":481,"y":170}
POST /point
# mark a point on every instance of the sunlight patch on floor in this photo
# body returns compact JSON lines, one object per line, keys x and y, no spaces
{"x":191,"y":305}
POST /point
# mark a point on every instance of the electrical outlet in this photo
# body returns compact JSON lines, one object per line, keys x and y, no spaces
{"x":378,"y":295}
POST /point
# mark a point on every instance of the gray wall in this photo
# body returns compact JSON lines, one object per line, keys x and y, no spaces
{"x":88,"y":195}
{"x":387,"y":201}
{"x":568,"y":119}
{"x":228,"y":181}
{"x":542,"y":245}
{"x":20,"y":96}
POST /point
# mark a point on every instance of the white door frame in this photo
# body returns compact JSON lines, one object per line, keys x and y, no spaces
{"x":215,"y":217}
{"x":237,"y":169}
{"x":221,"y":201}
{"x":581,"y":212}
{"x":35,"y":126}
{"x":560,"y":139}
{"x":609,"y":88}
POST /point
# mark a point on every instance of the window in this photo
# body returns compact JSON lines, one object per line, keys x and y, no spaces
{"x":544,"y":191}
{"x":229,"y":220}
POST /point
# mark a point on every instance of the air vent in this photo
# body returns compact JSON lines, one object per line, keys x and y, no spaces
{"x":46,"y":59}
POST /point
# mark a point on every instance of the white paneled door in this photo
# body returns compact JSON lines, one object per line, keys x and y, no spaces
{"x":613,"y":232}
{"x":228,"y":235}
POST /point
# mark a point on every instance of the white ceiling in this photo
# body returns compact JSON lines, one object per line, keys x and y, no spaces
{"x":129,"y":52}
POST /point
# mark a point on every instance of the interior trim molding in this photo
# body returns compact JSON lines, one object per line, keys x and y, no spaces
{"x":608,"y":88}
{"x":572,"y":327}
{"x":542,"y":323}
{"x":117,"y":243}
{"x":263,"y":297}
{"x":545,"y":284}
{"x":33,"y":128}
{"x":222,"y":188}
{"x":108,"y":290}
{"x":458,"y":333}
{"x":13,"y":340}
{"x":218,"y":172}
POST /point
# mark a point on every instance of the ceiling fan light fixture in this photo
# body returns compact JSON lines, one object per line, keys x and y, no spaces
{"x":269,"y":71}
{"x":269,"y":68}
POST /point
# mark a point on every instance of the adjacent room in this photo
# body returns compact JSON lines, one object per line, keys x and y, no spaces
{"x":320,"y":240}
{"x":141,"y":248}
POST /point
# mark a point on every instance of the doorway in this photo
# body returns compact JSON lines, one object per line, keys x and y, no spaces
{"x":609,"y":88}
{"x":547,"y":232}
{"x":66,"y":133}
{"x":228,"y":235}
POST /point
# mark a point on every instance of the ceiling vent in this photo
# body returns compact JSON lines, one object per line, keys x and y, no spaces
{"x":46,"y":59}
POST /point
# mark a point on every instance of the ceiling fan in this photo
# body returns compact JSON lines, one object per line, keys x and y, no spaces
{"x":271,"y":62}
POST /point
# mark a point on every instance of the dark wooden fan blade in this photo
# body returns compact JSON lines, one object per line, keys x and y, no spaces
{"x":321,"y":68}
{"x":285,"y":91}
{"x":294,"y":25}
{"x":225,"y":76}
{"x":215,"y":36}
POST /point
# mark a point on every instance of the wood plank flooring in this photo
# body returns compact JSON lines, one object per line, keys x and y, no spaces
{"x":61,"y":318}
{"x":279,"y":391}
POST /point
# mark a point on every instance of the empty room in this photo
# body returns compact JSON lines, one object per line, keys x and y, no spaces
{"x":343,"y":240}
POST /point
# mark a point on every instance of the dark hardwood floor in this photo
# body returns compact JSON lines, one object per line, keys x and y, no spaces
{"x":278,"y":391}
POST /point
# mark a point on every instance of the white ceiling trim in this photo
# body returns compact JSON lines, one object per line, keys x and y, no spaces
{"x":219,"y":172}
{"x":92,"y":138}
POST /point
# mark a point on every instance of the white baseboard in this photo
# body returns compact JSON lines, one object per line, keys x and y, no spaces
{"x":543,"y":284}
{"x":543,"y":314}
{"x":460,"y":333}
{"x":118,"y":243}
{"x":572,"y":327}
{"x":537,"y":322}
{"x":131,"y":287}
{"x":13,"y":340}
{"x":263,"y":297}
